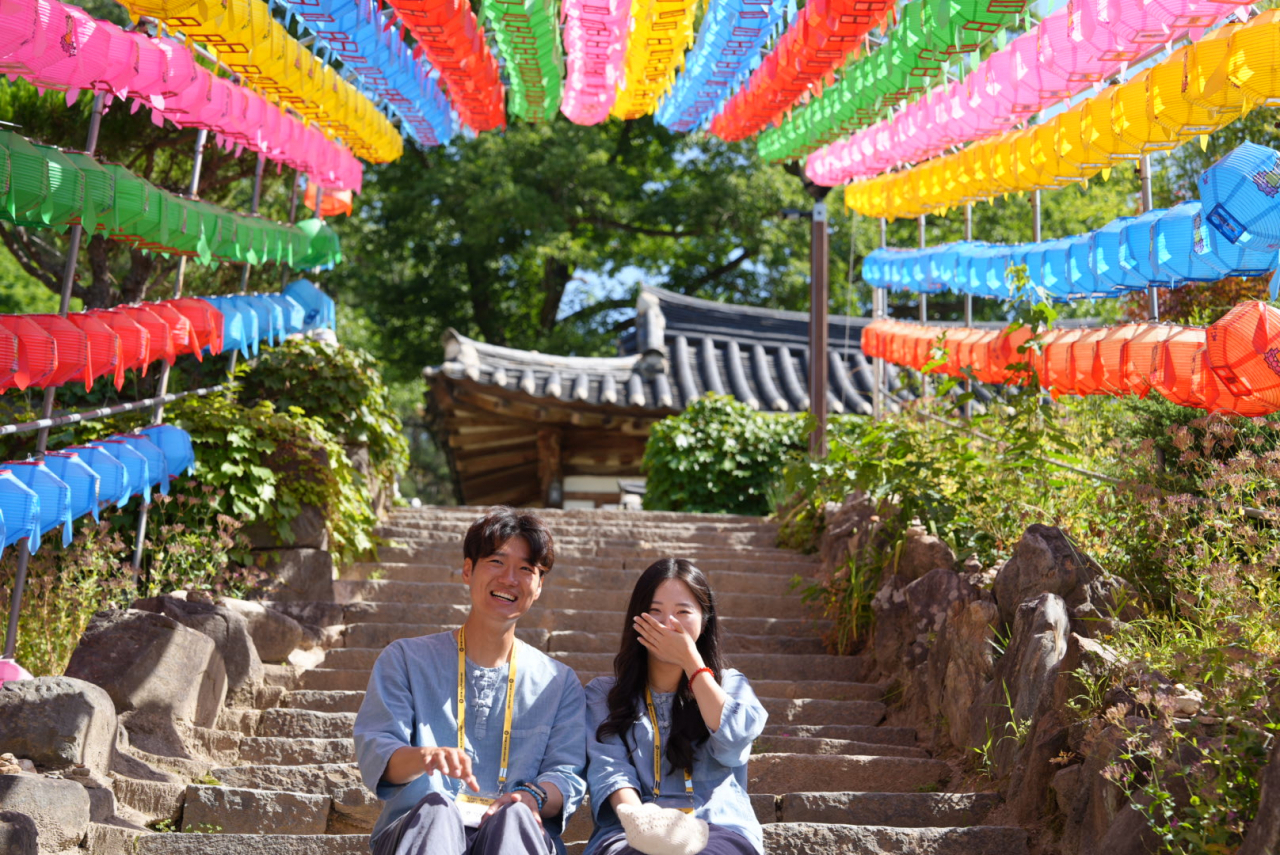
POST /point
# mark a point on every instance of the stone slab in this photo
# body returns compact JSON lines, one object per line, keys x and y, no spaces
{"x":232,"y":810}
{"x":806,"y":838}
{"x":798,"y":773}
{"x":901,"y":810}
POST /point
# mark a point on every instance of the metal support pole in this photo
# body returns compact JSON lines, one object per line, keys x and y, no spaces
{"x":193,"y":188}
{"x":1035,"y":216}
{"x":244,"y":274}
{"x":293,"y":212}
{"x":968,"y":303}
{"x":42,"y":435}
{"x":1144,"y":178}
{"x":818,"y":268}
{"x":157,"y":415}
{"x":878,"y":300}
{"x":924,"y":299}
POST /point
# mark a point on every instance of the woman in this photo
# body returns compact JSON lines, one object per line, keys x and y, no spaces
{"x":672,"y":698}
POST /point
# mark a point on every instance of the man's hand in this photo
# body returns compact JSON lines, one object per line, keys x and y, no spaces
{"x":408,"y":763}
{"x":519,"y":796}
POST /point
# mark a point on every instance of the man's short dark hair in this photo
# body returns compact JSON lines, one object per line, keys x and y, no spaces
{"x":500,"y":524}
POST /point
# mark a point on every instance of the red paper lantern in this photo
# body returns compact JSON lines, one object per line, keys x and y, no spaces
{"x":1138,"y":356}
{"x":1110,"y":358}
{"x":160,"y":338}
{"x":104,"y":349}
{"x":135,"y":341}
{"x":206,"y":322}
{"x":1244,"y":352}
{"x":73,"y":351}
{"x":37,"y":356}
{"x":180,"y":333}
{"x":1176,"y":373}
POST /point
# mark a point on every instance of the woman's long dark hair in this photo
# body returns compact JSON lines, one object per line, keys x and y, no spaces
{"x":631,"y":665}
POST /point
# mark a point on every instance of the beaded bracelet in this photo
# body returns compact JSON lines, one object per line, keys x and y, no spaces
{"x":540,"y":800}
{"x":694,"y":675}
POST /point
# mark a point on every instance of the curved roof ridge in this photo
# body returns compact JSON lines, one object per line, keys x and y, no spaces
{"x":468,"y":351}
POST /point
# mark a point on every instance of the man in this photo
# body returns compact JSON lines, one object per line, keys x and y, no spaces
{"x":506,"y":780}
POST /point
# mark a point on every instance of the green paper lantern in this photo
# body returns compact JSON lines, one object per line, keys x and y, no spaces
{"x":28,"y":183}
{"x":130,"y":202}
{"x":66,"y":201}
{"x":100,"y":191}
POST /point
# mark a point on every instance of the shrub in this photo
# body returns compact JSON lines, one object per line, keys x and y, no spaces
{"x":339,"y":386}
{"x":719,"y":456}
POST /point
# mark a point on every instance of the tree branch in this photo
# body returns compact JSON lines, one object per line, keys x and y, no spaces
{"x":727,"y":267}
{"x":15,"y":241}
{"x":606,"y":223}
{"x":601,"y":306}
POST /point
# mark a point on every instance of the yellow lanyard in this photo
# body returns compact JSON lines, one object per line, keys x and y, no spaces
{"x":657,"y":752}
{"x":462,"y":704}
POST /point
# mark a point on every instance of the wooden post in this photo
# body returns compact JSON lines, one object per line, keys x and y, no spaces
{"x":818,"y":270}
{"x":550,"y":467}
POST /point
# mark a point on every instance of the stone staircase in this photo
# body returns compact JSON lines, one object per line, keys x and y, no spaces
{"x":826,"y":776}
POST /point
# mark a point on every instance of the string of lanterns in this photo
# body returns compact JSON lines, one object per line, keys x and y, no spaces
{"x":60,"y":47}
{"x":595,"y":35}
{"x":660,"y":34}
{"x":450,"y":38}
{"x":1233,"y":366}
{"x":930,"y":35}
{"x":817,"y":42}
{"x":1042,"y":68}
{"x":253,"y":45}
{"x":528,"y":39}
{"x":46,"y":187}
{"x":728,"y":48}
{"x":1199,"y":88}
{"x":354,"y":31}
{"x":37,"y":497}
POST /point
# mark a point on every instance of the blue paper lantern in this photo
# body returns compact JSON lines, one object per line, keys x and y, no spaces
{"x":872,"y":270}
{"x":113,"y":476}
{"x":266,"y":313}
{"x":1080,"y":277}
{"x":1055,"y":277}
{"x":1179,"y":241}
{"x":1239,"y":197}
{"x":175,"y":443}
{"x":1234,"y":259}
{"x":80,"y":477}
{"x":233,"y":324}
{"x":20,"y":507}
{"x":253,"y":332}
{"x":1137,"y":254}
{"x":295,"y":317}
{"x":135,"y":463}
{"x":1104,"y":257}
{"x":319,"y":306}
{"x":55,"y":497}
{"x":157,"y":467}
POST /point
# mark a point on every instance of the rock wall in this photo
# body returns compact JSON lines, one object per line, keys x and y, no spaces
{"x":92,"y":759}
{"x":986,"y":661}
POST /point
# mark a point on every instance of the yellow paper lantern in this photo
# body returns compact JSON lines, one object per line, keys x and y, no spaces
{"x":1253,"y":60}
{"x":1207,"y":83}
{"x":1168,"y":104}
{"x":1130,"y":119}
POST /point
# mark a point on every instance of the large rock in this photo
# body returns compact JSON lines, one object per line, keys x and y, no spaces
{"x":18,"y":834}
{"x":241,"y":811}
{"x":227,"y":629}
{"x":156,"y":671}
{"x":857,"y":527}
{"x":921,"y":554}
{"x":1023,"y":680}
{"x":1263,"y":835}
{"x":1045,"y":561}
{"x":276,"y":635}
{"x":59,"y":809}
{"x":930,"y":598}
{"x":296,"y":574}
{"x":962,"y":664}
{"x":58,"y":722}
{"x":309,"y":530}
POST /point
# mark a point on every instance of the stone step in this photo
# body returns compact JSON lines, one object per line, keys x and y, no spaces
{"x":570,"y":576}
{"x":851,"y":732}
{"x":806,"y":711}
{"x":379,"y":635}
{"x":584,"y":540}
{"x":579,"y":620}
{"x":290,"y":751}
{"x":387,"y":591}
{"x":564,"y":515}
{"x":757,"y":666}
{"x":234,"y":810}
{"x":709,"y":559}
{"x":354,"y":808}
{"x":899,"y":810}
{"x":324,"y":700}
{"x":253,"y":844}
{"x":793,"y":773}
{"x":848,"y":747}
{"x":348,"y":700}
{"x":113,"y":837}
{"x":590,"y":642}
{"x":306,"y":724}
{"x":805,"y":838}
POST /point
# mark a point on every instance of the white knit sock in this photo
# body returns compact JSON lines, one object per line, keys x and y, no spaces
{"x":662,"y":831}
